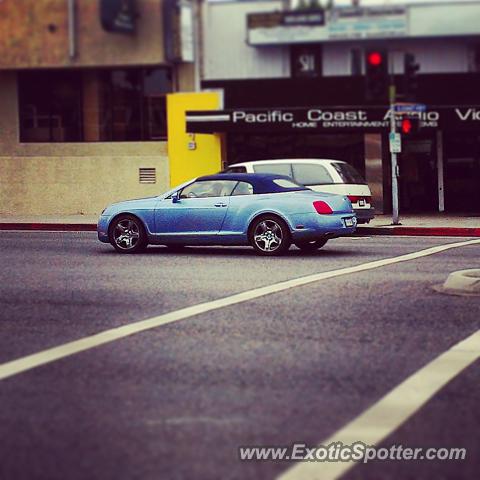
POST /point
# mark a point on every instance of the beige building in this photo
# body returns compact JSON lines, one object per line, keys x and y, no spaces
{"x":83,"y":88}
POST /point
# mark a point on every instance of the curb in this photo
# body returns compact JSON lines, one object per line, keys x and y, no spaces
{"x":462,"y":282}
{"x":420,"y":231}
{"x":50,"y":227}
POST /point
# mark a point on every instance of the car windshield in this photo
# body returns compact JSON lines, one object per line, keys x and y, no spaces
{"x":348,"y":174}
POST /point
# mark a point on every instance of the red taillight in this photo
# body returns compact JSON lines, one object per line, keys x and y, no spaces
{"x":322,"y":207}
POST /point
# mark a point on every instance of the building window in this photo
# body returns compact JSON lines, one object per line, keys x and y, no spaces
{"x":306,"y":61}
{"x":50,"y":106}
{"x":134,"y":104}
{"x":94,"y":105}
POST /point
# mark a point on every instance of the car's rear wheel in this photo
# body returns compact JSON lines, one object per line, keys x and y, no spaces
{"x":269,"y":235}
{"x":312,"y":245}
{"x":127,"y":234}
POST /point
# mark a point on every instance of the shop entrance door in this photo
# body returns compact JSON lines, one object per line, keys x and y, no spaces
{"x":462,"y":173}
{"x":418,"y":176}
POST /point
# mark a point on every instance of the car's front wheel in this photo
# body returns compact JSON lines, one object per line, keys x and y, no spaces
{"x":127,"y":234}
{"x":312,"y":245}
{"x":269,"y":235}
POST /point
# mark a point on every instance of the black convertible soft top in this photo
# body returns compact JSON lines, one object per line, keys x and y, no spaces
{"x":261,"y":182}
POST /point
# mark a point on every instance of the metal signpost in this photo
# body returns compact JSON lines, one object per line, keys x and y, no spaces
{"x":398,"y":109}
{"x":393,"y":154}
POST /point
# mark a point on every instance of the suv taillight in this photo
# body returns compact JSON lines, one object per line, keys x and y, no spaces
{"x":356,"y":198}
{"x":322,"y":207}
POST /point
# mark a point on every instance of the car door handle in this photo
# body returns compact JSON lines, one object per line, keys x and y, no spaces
{"x":220,"y":205}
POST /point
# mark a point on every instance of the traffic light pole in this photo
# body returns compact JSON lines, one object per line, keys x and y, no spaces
{"x":393,"y":157}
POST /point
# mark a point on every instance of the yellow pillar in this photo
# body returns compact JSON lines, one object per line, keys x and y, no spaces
{"x":191,"y":155}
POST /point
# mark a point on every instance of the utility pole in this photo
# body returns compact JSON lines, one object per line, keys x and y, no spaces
{"x":393,"y":159}
{"x":393,"y":133}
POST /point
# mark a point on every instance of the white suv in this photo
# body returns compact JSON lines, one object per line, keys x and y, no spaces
{"x":322,"y":175}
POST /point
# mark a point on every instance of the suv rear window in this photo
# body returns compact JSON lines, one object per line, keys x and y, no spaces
{"x":311,"y":174}
{"x":278,"y":168}
{"x":234,"y":170}
{"x":348,"y":174}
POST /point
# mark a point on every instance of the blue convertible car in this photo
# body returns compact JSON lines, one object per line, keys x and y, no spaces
{"x":266,"y":211}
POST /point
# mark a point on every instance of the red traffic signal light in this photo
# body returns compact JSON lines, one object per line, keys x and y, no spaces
{"x":409,"y":125}
{"x":376,"y":75}
{"x":375,"y":58}
{"x":406,"y":126}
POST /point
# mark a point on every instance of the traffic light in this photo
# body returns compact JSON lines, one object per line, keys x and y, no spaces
{"x":376,"y":76}
{"x":409,"y":126}
{"x":410,"y":77}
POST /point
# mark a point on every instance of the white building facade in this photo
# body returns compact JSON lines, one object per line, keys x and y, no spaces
{"x":263,"y":55}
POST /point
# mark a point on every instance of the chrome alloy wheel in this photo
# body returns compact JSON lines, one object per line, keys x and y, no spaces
{"x":268,"y":236}
{"x":126,"y":234}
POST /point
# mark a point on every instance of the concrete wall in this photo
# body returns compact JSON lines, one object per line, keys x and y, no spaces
{"x":34,"y":33}
{"x":69,"y":178}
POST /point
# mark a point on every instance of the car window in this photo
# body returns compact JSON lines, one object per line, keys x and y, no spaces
{"x":208,"y":188}
{"x":348,"y":174}
{"x":285,"y":183}
{"x":311,"y":174}
{"x":235,"y":170}
{"x":278,"y":168}
{"x":243,"y":188}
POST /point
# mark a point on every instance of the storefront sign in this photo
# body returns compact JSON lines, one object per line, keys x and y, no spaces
{"x":292,"y":18}
{"x":305,"y":61}
{"x":337,"y":24}
{"x":367,"y":22}
{"x":327,"y":119}
{"x":415,"y":20}
{"x":285,"y":27}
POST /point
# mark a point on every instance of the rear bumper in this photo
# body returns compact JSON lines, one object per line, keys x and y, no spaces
{"x":364,"y":215}
{"x":315,"y":226}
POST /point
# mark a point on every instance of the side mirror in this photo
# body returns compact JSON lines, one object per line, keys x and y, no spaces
{"x":176,"y":197}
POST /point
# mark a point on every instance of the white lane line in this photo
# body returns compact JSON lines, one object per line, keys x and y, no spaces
{"x":23,"y":364}
{"x":386,"y":415}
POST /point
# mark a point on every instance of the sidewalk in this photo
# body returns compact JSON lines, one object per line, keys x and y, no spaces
{"x":71,"y":223}
{"x":454,"y":225}
{"x":435,"y":224}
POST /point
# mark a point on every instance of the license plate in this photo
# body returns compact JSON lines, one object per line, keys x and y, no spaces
{"x":361,"y":203}
{"x":349,"y":222}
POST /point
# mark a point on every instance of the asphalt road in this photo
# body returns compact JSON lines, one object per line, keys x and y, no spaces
{"x":177,"y":401}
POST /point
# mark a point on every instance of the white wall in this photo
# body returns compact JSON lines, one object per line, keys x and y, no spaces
{"x":226,"y":54}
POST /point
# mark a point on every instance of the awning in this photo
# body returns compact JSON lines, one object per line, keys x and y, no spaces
{"x":326,"y":119}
